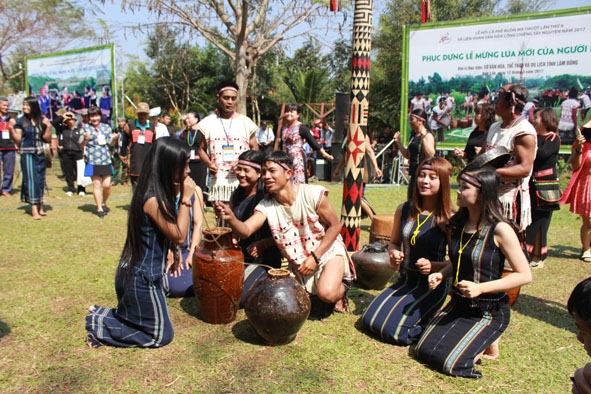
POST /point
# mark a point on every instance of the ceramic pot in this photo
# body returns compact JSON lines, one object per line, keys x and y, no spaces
{"x":373,"y":267}
{"x":218,"y":276}
{"x":277,"y":307}
{"x":381,"y":228}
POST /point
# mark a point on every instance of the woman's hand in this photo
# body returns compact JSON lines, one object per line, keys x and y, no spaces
{"x":424,"y":266}
{"x":469,"y":289}
{"x":397,"y":137}
{"x":189,"y":187}
{"x":256,"y":249}
{"x":329,"y":157}
{"x":435,"y":280}
{"x":396,"y":257}
{"x":458,"y":152}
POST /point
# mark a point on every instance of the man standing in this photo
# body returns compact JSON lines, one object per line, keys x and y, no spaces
{"x":265,"y":137}
{"x":226,"y":135}
{"x":141,"y":137}
{"x":119,"y":153}
{"x":7,"y":148}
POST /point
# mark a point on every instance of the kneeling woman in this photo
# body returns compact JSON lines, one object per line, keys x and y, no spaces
{"x":417,"y":247}
{"x":478,"y":312}
{"x":141,"y":318}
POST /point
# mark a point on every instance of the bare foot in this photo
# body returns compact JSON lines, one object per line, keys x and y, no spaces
{"x":42,"y":213}
{"x":342,"y":305}
{"x":91,"y":342}
{"x":492,"y":352}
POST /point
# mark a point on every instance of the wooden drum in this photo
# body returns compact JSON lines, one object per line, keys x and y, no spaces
{"x":381,"y":228}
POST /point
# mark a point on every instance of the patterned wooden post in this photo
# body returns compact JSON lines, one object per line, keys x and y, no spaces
{"x":353,"y":184}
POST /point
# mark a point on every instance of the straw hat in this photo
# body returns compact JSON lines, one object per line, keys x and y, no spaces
{"x":68,"y":116}
{"x":142,"y":108}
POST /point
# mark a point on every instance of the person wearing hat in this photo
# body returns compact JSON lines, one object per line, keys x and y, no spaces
{"x":265,"y":137}
{"x":226,"y":135}
{"x":7,"y":148}
{"x":141,"y":137}
{"x":84,"y":116}
{"x":160,"y":130}
{"x":69,"y":140}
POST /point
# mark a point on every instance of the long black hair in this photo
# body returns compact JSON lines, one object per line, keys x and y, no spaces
{"x":164,"y":166}
{"x":35,"y":114}
{"x":490,"y":211}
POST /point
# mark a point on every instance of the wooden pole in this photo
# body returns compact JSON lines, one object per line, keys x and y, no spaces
{"x":353,"y":184}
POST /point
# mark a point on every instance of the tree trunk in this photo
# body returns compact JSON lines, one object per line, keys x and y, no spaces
{"x":353,"y":183}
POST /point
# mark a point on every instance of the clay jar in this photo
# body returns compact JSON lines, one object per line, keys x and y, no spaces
{"x":373,"y":266}
{"x":218,"y":276}
{"x":277,"y":307}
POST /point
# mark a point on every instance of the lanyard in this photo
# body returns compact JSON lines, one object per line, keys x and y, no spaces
{"x":190,"y":141}
{"x":229,"y":127}
{"x":460,"y":250}
{"x":413,"y":239}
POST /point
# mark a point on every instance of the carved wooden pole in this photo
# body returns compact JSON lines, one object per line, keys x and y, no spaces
{"x":353,"y":184}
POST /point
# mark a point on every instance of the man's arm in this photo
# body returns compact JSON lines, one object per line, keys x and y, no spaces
{"x":524,"y":153}
{"x":240,"y":229}
{"x":253,"y":143}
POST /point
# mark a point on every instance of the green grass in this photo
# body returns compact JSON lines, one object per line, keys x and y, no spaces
{"x":53,"y":269}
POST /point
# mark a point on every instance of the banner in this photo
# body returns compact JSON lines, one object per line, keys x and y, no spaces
{"x":544,"y":51}
{"x":71,"y":69}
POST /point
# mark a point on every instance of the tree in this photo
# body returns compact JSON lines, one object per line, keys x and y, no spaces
{"x":27,"y":28}
{"x":243,"y":30}
{"x":180,"y":76}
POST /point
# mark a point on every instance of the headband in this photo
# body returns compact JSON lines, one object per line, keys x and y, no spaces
{"x":285,"y":166}
{"x":231,"y":88}
{"x":418,"y":117}
{"x":427,"y":166}
{"x":252,"y":164}
{"x":470,"y":179}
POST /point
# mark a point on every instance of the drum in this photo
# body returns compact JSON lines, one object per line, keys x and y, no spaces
{"x":381,"y":228}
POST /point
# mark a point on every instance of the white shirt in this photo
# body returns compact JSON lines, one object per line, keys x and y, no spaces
{"x":265,"y":135}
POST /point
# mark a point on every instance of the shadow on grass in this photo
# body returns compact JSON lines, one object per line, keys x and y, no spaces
{"x":27,"y":208}
{"x":4,"y":329}
{"x":87,"y":208}
{"x":547,"y":311}
{"x":189,"y":305}
{"x":245,"y":332}
{"x":564,"y":251}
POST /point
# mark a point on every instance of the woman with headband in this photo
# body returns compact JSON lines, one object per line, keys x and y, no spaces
{"x":259,"y":247}
{"x":478,"y":313}
{"x":420,"y":147}
{"x":417,"y":247}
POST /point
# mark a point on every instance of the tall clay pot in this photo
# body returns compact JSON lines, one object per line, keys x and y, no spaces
{"x":277,"y":307}
{"x":373,"y":267}
{"x":218,"y":276}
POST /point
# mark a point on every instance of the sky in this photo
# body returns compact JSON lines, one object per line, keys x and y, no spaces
{"x":129,"y":47}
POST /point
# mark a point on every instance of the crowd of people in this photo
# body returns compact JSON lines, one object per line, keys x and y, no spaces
{"x":474,"y":254}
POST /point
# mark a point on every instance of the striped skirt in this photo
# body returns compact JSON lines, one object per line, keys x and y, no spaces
{"x":399,"y":314}
{"x":33,"y":172}
{"x":140,"y":320}
{"x":458,"y":334}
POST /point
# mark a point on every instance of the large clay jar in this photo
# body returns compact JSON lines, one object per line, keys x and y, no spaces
{"x":373,"y":267}
{"x":381,"y":229}
{"x":277,"y":307}
{"x":218,"y":276}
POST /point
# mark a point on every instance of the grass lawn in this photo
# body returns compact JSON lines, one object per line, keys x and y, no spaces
{"x":52,"y":270}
